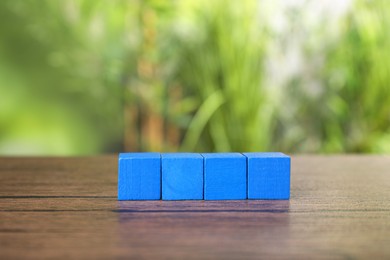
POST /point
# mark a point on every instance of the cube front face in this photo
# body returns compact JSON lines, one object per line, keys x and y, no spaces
{"x":139,"y":176}
{"x":224,"y":176}
{"x":268,"y":176}
{"x":182,"y":176}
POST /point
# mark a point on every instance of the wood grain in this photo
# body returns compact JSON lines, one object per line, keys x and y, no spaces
{"x":67,"y":208}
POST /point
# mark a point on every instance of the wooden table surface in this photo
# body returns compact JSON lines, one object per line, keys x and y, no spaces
{"x":67,"y":208}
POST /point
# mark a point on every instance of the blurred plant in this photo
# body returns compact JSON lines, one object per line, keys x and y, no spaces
{"x":341,"y":103}
{"x":357,"y":76}
{"x":147,"y":127}
{"x":220,"y":67}
{"x":61,"y":83}
{"x":199,"y":77}
{"x":192,"y":76}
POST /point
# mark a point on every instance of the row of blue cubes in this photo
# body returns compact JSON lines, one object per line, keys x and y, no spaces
{"x":208,"y":176}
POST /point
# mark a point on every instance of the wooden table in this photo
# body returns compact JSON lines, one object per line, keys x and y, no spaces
{"x":67,"y":208}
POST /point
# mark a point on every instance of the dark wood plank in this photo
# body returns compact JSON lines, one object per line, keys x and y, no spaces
{"x":67,"y":208}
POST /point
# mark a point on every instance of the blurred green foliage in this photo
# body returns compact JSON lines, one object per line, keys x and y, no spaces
{"x":350,"y":111}
{"x":60,"y":67}
{"x":357,"y":77}
{"x":86,"y":77}
{"x":221,"y":66}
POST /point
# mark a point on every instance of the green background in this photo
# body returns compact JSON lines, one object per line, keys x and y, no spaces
{"x":90,"y":77}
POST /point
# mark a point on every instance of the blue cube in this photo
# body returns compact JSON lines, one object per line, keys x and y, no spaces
{"x":224,"y":176}
{"x":139,"y":176}
{"x":268,"y":176}
{"x":182,"y":176}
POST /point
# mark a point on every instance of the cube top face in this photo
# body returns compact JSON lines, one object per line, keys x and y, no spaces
{"x":221,"y":155}
{"x":139,"y":155}
{"x":181,"y":155}
{"x":224,"y":176}
{"x":266,"y":155}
